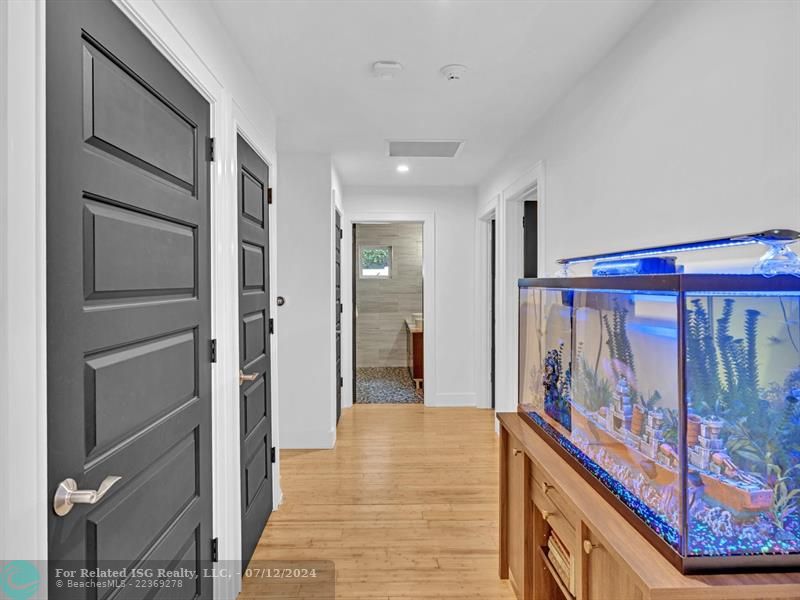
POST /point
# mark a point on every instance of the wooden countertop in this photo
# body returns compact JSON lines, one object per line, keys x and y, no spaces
{"x":412,"y":327}
{"x":623,"y":542}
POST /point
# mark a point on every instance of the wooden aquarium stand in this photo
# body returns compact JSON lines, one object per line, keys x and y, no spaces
{"x":541,"y":495}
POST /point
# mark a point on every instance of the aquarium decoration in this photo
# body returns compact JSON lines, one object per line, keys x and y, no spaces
{"x":778,"y":260}
{"x":683,"y":408}
{"x":556,"y":384}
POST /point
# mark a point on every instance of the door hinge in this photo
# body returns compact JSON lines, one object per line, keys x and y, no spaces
{"x":271,"y":325}
{"x":212,"y":351}
{"x":210,"y":153}
{"x":341,"y":381}
{"x":215,"y":550}
{"x":523,"y":222}
{"x":341,"y":234}
{"x":269,"y":195}
{"x":272,"y":454}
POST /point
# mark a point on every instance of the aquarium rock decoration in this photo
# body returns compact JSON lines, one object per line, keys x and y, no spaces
{"x":556,"y":383}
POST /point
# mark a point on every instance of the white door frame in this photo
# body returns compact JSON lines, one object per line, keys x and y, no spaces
{"x":483,"y":288}
{"x":23,"y":359}
{"x":428,"y":221}
{"x":509,"y":241}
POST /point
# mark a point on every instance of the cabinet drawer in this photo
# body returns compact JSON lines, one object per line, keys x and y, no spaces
{"x":562,"y":512}
{"x":557,"y":522}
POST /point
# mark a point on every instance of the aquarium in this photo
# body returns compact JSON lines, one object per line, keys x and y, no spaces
{"x":677,"y":397}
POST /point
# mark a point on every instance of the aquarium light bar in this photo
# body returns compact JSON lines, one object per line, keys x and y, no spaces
{"x":767,"y":236}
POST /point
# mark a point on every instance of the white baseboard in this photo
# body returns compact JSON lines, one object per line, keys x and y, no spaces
{"x":451,"y":399}
{"x":307,"y":439}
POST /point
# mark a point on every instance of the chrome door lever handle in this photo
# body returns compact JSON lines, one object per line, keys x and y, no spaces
{"x":68,"y":494}
{"x":246,"y":376}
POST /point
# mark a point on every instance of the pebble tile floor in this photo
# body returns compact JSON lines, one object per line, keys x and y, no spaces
{"x":385,"y":385}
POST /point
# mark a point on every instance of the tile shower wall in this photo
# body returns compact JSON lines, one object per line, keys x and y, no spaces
{"x":385,"y":304}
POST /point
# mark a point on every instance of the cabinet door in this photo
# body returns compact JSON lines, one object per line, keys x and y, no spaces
{"x":604,"y":577}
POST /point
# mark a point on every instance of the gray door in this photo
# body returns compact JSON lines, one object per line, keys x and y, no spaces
{"x":338,"y":312}
{"x":254,"y":358}
{"x":128,"y":310}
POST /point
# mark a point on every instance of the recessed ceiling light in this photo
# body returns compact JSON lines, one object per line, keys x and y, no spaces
{"x":402,"y":168}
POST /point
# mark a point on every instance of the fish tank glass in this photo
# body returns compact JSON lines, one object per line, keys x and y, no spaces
{"x":677,"y":397}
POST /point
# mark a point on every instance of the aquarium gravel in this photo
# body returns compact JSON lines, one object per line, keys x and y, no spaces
{"x":704,"y":542}
{"x":644,"y":512}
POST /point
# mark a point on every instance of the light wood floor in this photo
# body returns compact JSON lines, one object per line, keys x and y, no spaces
{"x":405,"y":505}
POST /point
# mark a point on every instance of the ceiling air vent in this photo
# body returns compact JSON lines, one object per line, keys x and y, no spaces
{"x":424,"y":149}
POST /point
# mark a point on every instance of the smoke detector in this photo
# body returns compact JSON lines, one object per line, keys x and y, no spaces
{"x":386,"y":69}
{"x":453,"y":72}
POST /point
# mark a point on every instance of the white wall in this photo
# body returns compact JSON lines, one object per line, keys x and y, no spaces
{"x":454,"y":329}
{"x":305,"y":323}
{"x":689,"y":128}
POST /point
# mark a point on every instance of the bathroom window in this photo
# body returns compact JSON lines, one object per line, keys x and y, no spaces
{"x":376,"y":262}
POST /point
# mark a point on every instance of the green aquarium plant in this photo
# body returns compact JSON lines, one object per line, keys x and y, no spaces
{"x":784,"y":500}
{"x":622,"y":361}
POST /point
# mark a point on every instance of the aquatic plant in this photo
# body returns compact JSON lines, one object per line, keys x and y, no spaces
{"x":619,"y":346}
{"x":652,"y":401}
{"x":722,"y":371}
{"x":669,"y":428}
{"x":783,"y":502}
{"x":702,"y":370}
{"x":598,"y":391}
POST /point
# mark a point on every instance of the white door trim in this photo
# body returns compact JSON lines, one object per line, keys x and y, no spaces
{"x":428,"y":220}
{"x":23,"y":317}
{"x":243,"y":126}
{"x":510,"y":254}
{"x":483,"y":292}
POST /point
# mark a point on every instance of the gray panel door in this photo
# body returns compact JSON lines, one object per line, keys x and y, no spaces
{"x":254,"y":354}
{"x":338,"y":312}
{"x":128,"y":308}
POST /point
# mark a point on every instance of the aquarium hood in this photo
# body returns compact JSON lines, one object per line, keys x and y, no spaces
{"x":778,"y":260}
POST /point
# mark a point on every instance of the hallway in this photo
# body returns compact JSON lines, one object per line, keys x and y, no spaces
{"x":405,"y":505}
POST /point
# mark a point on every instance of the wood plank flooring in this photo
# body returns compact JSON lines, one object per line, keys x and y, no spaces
{"x":405,"y":505}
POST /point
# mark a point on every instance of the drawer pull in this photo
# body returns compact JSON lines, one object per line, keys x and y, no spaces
{"x":517,"y":451}
{"x":546,"y":487}
{"x":588,"y":546}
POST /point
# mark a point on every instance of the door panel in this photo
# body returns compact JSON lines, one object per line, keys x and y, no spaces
{"x":255,"y":400}
{"x":530,"y":223}
{"x":125,"y":117}
{"x":124,"y":252}
{"x":129,"y":387}
{"x":128,"y":298}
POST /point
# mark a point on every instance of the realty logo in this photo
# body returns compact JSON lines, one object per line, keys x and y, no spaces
{"x":19,"y":579}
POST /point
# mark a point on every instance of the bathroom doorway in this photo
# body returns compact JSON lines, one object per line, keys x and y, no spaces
{"x":388,"y":312}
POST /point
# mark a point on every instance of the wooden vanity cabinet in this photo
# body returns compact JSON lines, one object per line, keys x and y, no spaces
{"x":540,"y":493}
{"x":415,"y":345}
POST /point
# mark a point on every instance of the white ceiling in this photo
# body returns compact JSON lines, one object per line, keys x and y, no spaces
{"x":314,"y":57}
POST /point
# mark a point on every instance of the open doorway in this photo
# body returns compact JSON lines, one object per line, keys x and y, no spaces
{"x":388,"y":322}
